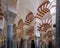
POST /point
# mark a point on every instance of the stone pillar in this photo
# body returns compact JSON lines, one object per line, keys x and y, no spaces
{"x":36,"y":32}
{"x":10,"y":22}
{"x":10,"y":18}
{"x":25,"y":43}
{"x":58,"y":24}
{"x":37,"y":42}
{"x":10,"y":36}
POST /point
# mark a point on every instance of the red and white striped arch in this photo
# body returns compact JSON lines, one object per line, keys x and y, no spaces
{"x":29,"y":18}
{"x":45,"y":24}
{"x":43,"y":9}
{"x":20,"y":24}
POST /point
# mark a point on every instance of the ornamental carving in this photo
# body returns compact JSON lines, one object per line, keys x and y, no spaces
{"x":29,"y":18}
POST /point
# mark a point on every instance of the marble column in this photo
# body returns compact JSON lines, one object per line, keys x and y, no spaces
{"x":10,"y":36}
{"x":58,"y":24}
{"x":37,"y":42}
{"x":18,"y":43}
{"x":25,"y":43}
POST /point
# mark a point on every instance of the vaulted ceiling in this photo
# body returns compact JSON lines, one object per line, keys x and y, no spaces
{"x":23,"y":7}
{"x":27,"y":6}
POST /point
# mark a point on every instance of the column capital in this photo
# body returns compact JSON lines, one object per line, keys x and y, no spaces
{"x":10,"y":19}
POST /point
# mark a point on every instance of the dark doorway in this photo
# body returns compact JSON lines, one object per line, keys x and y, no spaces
{"x":32,"y":44}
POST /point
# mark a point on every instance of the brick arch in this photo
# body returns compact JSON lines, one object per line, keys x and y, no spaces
{"x":20,"y":28}
{"x":20,"y":24}
{"x":45,"y":25}
{"x":29,"y":18}
{"x":43,"y":9}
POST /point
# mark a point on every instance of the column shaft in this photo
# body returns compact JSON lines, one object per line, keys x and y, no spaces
{"x":25,"y":44}
{"x":37,"y":42}
{"x":9,"y":36}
